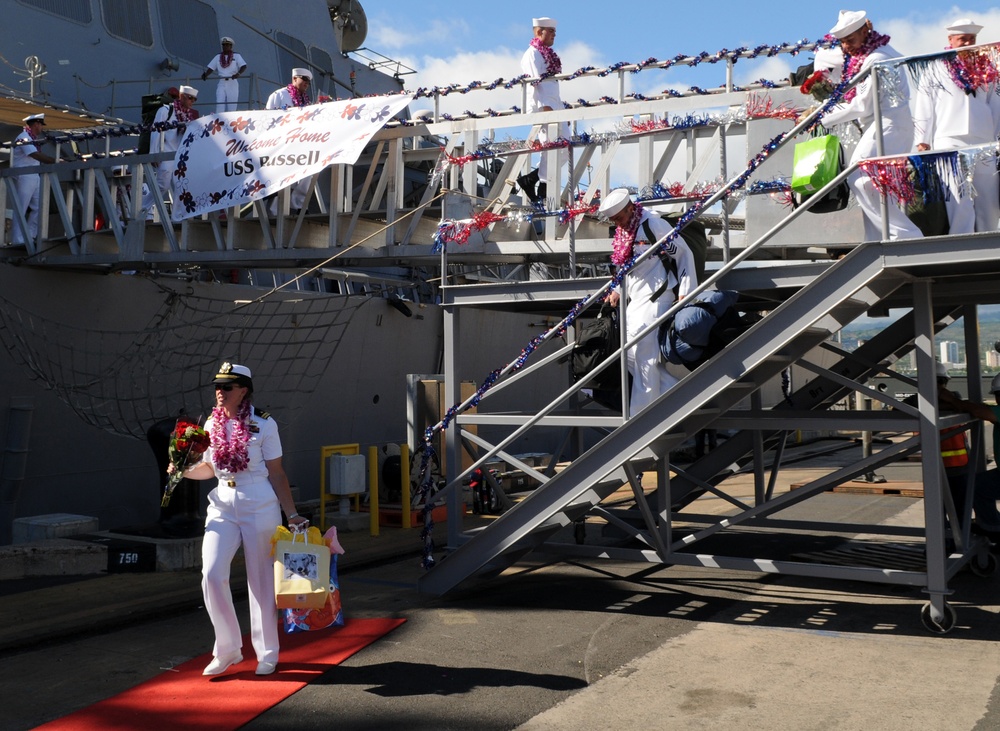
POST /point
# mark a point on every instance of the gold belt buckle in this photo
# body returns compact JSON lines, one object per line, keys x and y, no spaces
{"x":231,"y":483}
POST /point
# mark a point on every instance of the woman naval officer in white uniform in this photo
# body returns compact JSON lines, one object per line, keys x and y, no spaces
{"x":245,"y":507}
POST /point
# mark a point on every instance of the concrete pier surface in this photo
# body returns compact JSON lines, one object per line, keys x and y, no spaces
{"x":546,"y":646}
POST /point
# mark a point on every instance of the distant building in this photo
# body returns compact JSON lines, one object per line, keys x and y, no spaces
{"x":949,"y":352}
{"x":992,"y":359}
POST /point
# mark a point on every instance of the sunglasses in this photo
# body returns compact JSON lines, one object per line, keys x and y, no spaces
{"x":224,"y":387}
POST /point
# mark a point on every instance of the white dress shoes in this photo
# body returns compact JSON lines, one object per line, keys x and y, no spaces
{"x":219,"y":665}
{"x":266,"y":668}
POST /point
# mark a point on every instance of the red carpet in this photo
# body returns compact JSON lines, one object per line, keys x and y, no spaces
{"x":184,"y":698}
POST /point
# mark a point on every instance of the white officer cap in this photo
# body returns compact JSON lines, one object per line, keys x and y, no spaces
{"x":234,"y":373}
{"x":302,"y":72}
{"x":189,"y":90}
{"x":614,"y":202}
{"x":543,"y":23}
{"x":964,"y":26}
{"x":34,"y":118}
{"x":848,"y":22}
{"x":226,"y":39}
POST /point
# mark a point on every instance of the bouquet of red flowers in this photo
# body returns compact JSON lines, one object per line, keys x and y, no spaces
{"x":187,"y":443}
{"x":819,"y":85}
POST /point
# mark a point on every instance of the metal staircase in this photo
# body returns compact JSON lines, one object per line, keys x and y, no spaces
{"x":938,"y":279}
{"x":851,"y":287}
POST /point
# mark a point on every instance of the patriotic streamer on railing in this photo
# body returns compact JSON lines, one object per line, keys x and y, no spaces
{"x":906,"y":179}
{"x":756,"y":107}
{"x":633,"y":68}
{"x":458,"y":231}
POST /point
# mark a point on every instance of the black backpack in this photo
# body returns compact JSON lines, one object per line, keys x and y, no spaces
{"x":702,"y":328}
{"x":151,"y":104}
{"x":598,"y":339}
{"x":695,"y":235}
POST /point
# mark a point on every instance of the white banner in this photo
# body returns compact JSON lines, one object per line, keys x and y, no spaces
{"x":233,"y":158}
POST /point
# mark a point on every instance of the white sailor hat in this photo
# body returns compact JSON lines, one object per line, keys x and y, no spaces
{"x":234,"y":373}
{"x":614,"y":202}
{"x":964,"y":26}
{"x":302,"y":72}
{"x":543,"y":23}
{"x":34,"y":118}
{"x":828,"y":59}
{"x":189,"y":90}
{"x":226,"y":39}
{"x":848,"y":22}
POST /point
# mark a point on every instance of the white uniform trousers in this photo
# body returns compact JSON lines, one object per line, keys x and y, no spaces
{"x":981,"y":212}
{"x":650,"y":377}
{"x":227,"y":93}
{"x":563,"y":157}
{"x":164,"y":181}
{"x":898,"y":138}
{"x":28,"y":188}
{"x":247,"y":514}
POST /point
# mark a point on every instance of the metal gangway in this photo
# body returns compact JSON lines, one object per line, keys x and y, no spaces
{"x":805,"y":305}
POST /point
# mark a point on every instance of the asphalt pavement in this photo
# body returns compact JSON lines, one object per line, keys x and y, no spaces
{"x":569,"y":645}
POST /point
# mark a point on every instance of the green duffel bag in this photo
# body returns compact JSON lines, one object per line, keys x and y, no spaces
{"x":815,"y":163}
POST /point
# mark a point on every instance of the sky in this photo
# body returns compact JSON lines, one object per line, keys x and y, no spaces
{"x":451,"y":42}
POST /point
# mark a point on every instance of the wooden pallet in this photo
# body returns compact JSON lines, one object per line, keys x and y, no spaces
{"x":903,"y":488}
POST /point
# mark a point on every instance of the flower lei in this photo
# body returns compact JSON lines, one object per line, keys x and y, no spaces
{"x":225,"y":59}
{"x":971,"y":70}
{"x":229,"y":451}
{"x":624,"y":239}
{"x":553,"y":64}
{"x":184,"y":114}
{"x":873,"y":41}
{"x":299,"y":98}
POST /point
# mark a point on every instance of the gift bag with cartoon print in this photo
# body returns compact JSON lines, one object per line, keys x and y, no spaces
{"x":330,"y":614}
{"x":301,"y":570}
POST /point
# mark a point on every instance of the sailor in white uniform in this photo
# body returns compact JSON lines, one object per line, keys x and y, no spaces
{"x":649,"y":290}
{"x":229,"y":66}
{"x":538,"y":60}
{"x":296,"y":94}
{"x":26,"y":154}
{"x":168,"y":140}
{"x":955,"y":108}
{"x":244,"y":509}
{"x":858,"y":39}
